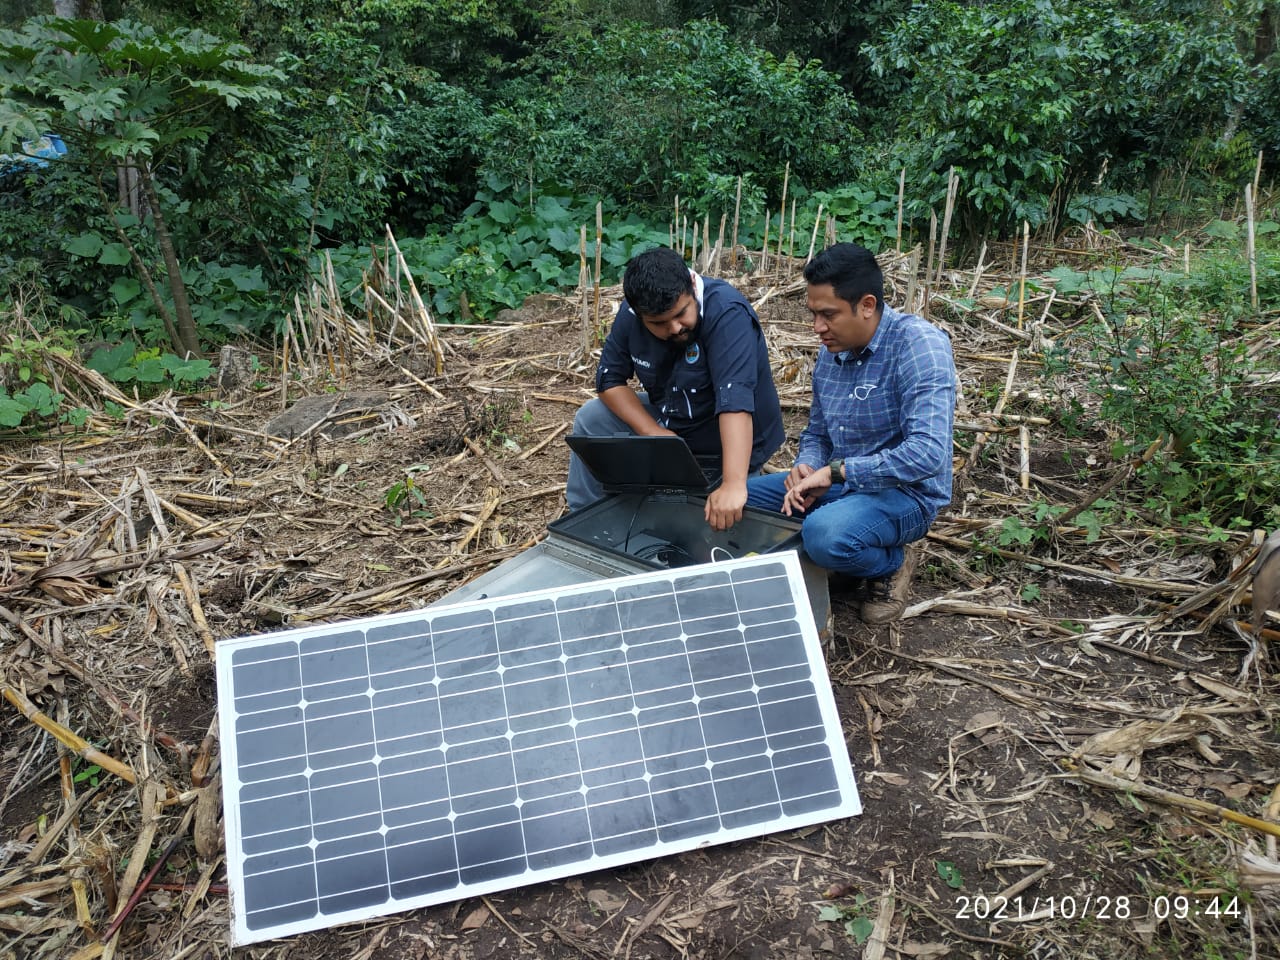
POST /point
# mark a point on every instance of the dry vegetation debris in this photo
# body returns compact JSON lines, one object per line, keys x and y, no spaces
{"x":1080,"y":719}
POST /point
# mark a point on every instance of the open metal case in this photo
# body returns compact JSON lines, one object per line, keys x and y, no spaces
{"x":650,"y":517}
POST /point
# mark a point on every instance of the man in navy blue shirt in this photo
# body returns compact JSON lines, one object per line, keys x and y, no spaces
{"x":696,"y":347}
{"x":874,"y":463}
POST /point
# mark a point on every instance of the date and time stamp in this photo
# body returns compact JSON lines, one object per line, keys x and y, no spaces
{"x":1099,"y":908}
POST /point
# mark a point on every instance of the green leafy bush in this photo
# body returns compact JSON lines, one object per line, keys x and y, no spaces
{"x":1175,"y":364}
{"x":644,"y":114}
{"x":1030,"y":100}
{"x":504,"y":249}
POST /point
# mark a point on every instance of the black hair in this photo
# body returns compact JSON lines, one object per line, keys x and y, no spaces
{"x":654,"y":281}
{"x":851,"y":271}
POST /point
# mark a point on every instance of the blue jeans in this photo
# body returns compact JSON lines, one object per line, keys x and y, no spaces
{"x":860,"y":533}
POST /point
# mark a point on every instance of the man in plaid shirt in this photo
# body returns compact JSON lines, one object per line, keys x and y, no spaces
{"x":874,"y":464}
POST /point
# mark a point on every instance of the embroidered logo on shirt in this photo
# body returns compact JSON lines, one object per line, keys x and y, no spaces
{"x":863,"y":390}
{"x":640,"y":363}
{"x":692,"y":354}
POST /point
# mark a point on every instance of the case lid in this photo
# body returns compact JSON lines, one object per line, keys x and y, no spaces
{"x":626,"y":463}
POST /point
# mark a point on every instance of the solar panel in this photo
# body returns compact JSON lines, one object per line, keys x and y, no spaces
{"x":422,"y":757}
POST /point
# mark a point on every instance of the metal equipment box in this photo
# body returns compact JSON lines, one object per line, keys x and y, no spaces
{"x":651,"y":517}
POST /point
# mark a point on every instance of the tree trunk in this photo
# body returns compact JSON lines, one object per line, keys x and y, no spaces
{"x":78,"y":9}
{"x":186,"y":324}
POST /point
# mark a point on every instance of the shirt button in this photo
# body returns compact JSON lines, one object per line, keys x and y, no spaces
{"x":859,"y":363}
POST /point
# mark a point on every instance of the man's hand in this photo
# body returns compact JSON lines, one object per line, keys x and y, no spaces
{"x":802,"y":493}
{"x":798,"y":473}
{"x":724,"y":505}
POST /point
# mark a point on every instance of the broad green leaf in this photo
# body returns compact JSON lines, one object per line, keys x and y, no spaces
{"x":85,"y":245}
{"x":110,"y":360}
{"x":114,"y":255}
{"x":150,"y":370}
{"x":124,"y":289}
{"x":551,"y":210}
{"x":11,"y":411}
{"x":40,"y":398}
{"x":860,"y":929}
{"x":504,"y":211}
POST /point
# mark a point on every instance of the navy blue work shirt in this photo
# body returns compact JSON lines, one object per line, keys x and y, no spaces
{"x":724,"y":368}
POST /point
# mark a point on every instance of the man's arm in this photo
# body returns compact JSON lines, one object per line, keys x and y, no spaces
{"x":724,"y":505}
{"x":627,"y":407}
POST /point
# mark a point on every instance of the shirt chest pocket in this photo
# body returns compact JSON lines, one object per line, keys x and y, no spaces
{"x":861,"y":406}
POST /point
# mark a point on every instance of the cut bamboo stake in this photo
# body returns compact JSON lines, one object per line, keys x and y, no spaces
{"x":813,"y":237}
{"x":782,"y":207}
{"x":494,"y":470}
{"x":492,"y":496}
{"x":977,"y":271}
{"x":587,"y":334}
{"x":878,"y":941}
{"x":1024,"y":457}
{"x":70,"y":740}
{"x":1022,"y":274}
{"x":791,"y":238}
{"x":902,"y":185}
{"x":928,"y":264}
{"x":737,"y":207}
{"x":599,"y":250}
{"x":953,"y":186}
{"x":152,"y":794}
{"x":1250,"y":249}
{"x":913,"y":279}
{"x":715,"y":268}
{"x":546,"y":440}
{"x":764,"y":247}
{"x":191,"y":435}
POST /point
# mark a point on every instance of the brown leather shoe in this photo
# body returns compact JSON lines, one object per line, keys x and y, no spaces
{"x":887,"y":597}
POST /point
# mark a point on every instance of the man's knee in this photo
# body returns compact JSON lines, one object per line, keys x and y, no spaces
{"x":825,"y":545}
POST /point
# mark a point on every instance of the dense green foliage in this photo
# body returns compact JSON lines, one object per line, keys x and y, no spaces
{"x":700,"y":109}
{"x":1031,"y":102}
{"x":207,"y":178}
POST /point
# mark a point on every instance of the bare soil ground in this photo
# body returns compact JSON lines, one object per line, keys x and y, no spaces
{"x":983,"y":727}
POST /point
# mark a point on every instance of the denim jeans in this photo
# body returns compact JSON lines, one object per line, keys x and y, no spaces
{"x":859,"y":533}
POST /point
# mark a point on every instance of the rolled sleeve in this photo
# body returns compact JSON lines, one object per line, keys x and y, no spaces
{"x":731,"y":352}
{"x":736,"y":397}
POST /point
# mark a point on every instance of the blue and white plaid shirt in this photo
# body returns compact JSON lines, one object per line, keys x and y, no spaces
{"x":887,"y":411}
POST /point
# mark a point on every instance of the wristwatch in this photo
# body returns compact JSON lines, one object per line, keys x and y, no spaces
{"x":837,"y":470}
